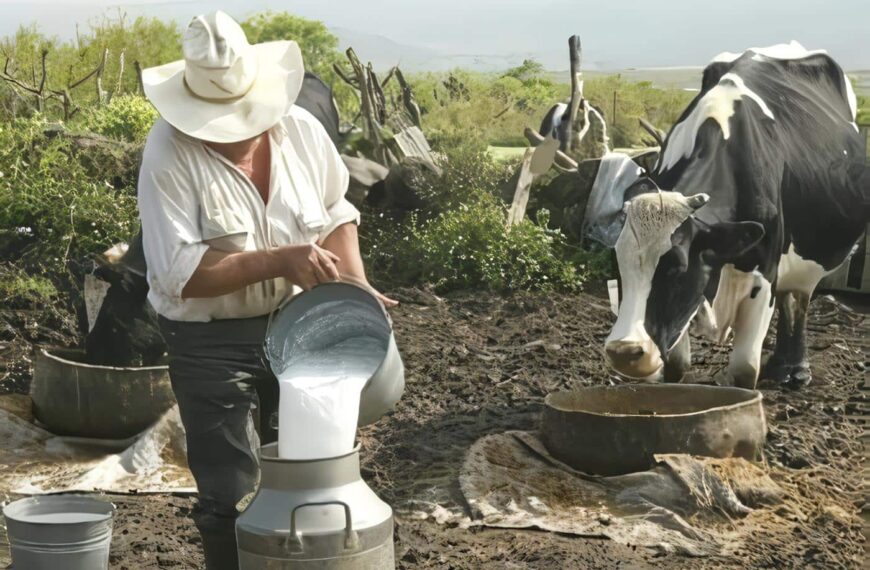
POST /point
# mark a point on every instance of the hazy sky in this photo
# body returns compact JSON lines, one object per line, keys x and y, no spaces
{"x":615,"y":33}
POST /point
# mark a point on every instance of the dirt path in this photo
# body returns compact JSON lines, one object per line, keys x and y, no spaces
{"x":479,"y":364}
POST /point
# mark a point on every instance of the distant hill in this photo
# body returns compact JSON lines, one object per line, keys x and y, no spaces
{"x":385,"y":53}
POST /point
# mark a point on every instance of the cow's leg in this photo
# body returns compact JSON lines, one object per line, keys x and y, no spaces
{"x":797,"y":280}
{"x":788,"y":364}
{"x":750,"y":326}
{"x":679,"y":359}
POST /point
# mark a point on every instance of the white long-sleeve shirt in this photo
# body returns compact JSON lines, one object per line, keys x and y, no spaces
{"x":191,"y":198}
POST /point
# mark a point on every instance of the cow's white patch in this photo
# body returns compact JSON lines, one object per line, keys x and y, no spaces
{"x":791,"y":50}
{"x":704,"y":324}
{"x":742,"y":306}
{"x":116,"y":252}
{"x":734,"y":288}
{"x":750,"y":324}
{"x":95,"y":293}
{"x":716,"y":104}
{"x":853,"y":102}
{"x":798,"y":274}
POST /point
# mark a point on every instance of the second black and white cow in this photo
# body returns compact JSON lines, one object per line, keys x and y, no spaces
{"x":761,"y":189}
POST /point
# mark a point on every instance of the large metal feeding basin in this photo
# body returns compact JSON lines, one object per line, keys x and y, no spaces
{"x":73,"y":398}
{"x":612,"y":430}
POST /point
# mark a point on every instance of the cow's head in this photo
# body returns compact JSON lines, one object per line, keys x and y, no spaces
{"x":665,"y":257}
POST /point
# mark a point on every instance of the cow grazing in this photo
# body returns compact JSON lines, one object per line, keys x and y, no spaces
{"x":761,"y":189}
{"x":555,"y":124}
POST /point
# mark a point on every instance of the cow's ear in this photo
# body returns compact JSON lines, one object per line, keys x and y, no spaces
{"x":729,"y":240}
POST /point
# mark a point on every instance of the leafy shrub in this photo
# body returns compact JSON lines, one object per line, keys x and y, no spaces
{"x":148,"y":41}
{"x":471,"y":246}
{"x":319,"y":49}
{"x":20,"y":289}
{"x":127,"y":118}
{"x":467,"y":169}
{"x":57,"y":209}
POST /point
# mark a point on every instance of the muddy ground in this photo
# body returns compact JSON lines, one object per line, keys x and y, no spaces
{"x":478,"y":363}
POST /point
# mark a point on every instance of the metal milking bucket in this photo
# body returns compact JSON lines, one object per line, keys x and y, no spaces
{"x":347,"y":309}
{"x":319,"y":513}
{"x":54,"y":532}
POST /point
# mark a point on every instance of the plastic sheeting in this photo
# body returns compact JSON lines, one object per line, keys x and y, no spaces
{"x":604,"y":218}
{"x":684,"y":504}
{"x":36,"y":461}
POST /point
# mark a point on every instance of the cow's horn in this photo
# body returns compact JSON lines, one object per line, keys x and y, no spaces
{"x":697,"y":200}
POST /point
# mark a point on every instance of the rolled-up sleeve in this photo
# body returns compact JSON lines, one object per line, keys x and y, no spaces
{"x":335,"y":182}
{"x":170,"y":219}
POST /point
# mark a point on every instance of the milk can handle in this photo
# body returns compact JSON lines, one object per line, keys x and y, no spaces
{"x":351,"y":539}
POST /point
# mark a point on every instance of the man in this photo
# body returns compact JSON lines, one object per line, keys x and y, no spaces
{"x":241,"y":196}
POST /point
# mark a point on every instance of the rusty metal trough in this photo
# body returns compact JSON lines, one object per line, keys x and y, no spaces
{"x":73,"y":398}
{"x":614,"y":430}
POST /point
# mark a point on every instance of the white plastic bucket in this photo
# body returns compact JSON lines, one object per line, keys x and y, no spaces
{"x":56,"y":532}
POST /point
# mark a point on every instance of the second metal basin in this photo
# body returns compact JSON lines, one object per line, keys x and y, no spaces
{"x":615,"y":430}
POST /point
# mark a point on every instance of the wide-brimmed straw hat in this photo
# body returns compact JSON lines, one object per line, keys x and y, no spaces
{"x":225,"y":89}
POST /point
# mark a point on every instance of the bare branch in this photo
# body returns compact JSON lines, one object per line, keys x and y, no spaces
{"x":120,"y":86}
{"x":344,"y":77}
{"x":44,"y":71}
{"x":654,"y":132}
{"x":138,"y":67}
{"x":6,"y":76}
{"x":503,"y":111}
{"x":96,"y":71}
{"x":408,"y":98}
{"x":388,"y":76}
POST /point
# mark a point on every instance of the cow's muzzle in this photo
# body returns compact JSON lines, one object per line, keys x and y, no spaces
{"x":634,"y":359}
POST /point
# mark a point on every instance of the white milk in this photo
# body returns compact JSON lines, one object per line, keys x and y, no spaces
{"x":329,"y":359}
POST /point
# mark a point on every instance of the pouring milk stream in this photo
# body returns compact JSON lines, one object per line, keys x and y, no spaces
{"x":324,"y":352}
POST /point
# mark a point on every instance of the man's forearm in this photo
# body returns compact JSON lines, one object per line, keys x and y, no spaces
{"x":344,"y":242}
{"x":220,"y":273}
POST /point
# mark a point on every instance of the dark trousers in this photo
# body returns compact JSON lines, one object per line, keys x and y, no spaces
{"x":227,"y":395}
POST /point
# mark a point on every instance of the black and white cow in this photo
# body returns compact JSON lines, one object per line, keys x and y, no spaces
{"x":761,"y":190}
{"x":555,"y":124}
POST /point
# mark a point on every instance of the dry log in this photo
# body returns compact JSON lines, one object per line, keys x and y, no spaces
{"x":408,"y":99}
{"x":654,"y":132}
{"x":575,"y":56}
{"x":521,"y":195}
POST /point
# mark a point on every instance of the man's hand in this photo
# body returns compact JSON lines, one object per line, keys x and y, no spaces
{"x":308,"y":265}
{"x":345,"y":242}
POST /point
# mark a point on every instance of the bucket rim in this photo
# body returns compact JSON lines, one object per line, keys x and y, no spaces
{"x":274,"y":445}
{"x":10,"y":510}
{"x":53,"y":353}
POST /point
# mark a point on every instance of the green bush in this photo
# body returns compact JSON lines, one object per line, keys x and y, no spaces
{"x":127,"y":118}
{"x":148,"y":41}
{"x":471,"y":246}
{"x":319,"y":49}
{"x":20,"y":289}
{"x":467,"y":170}
{"x":55,"y":209}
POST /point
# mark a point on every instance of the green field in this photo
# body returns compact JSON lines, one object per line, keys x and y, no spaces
{"x":505,"y":153}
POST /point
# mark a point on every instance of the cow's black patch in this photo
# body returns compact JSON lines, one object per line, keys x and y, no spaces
{"x":800,"y":176}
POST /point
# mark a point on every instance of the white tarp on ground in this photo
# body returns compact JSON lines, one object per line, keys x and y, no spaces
{"x":35,"y":461}
{"x":685,"y":504}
